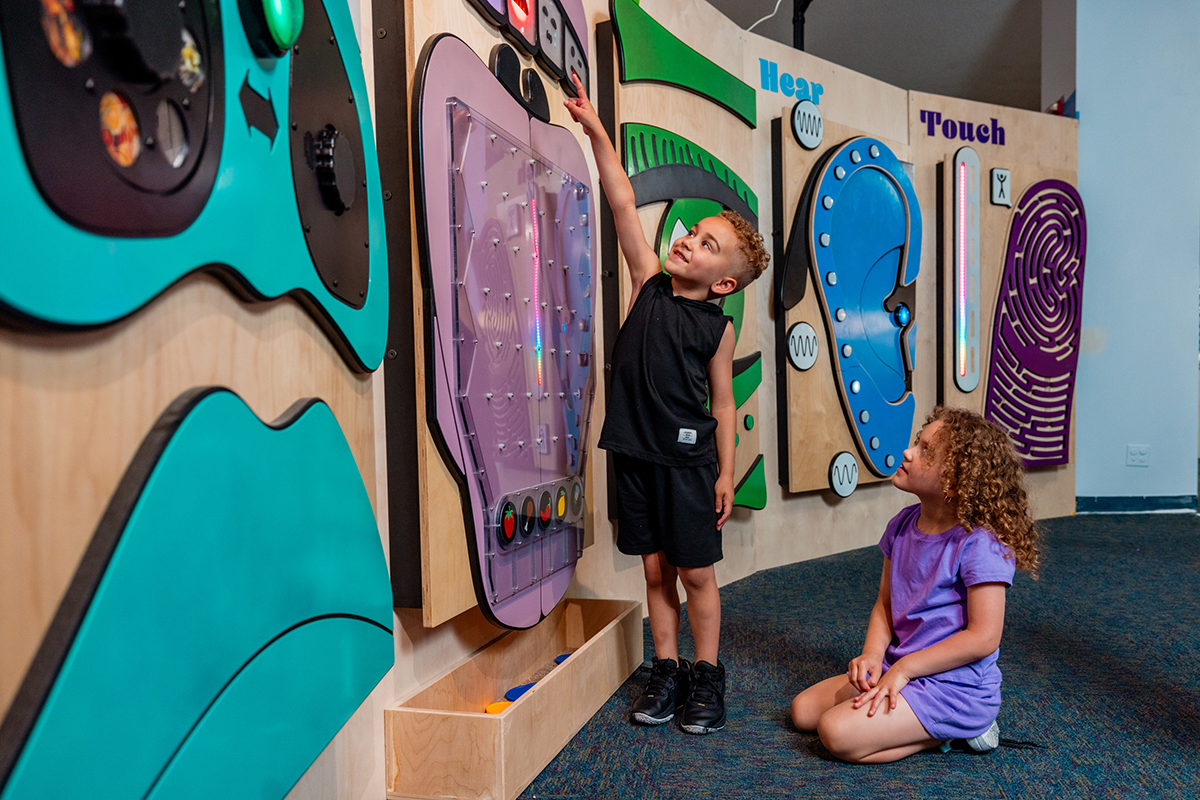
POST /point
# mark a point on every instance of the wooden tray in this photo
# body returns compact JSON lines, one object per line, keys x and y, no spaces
{"x":441,"y":743}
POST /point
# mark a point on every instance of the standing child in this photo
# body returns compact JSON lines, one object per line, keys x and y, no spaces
{"x":670,"y":427}
{"x":927,"y":674}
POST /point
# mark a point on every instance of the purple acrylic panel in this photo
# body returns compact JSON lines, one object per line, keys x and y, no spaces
{"x":508,"y":259}
{"x":1035,"y":336}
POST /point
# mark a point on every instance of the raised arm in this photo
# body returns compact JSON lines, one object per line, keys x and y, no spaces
{"x":643,"y":263}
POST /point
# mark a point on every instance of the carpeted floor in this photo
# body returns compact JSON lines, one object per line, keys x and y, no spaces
{"x":1100,"y":660}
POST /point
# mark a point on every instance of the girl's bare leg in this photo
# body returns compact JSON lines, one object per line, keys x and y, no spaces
{"x":809,"y":705}
{"x":849,"y":734}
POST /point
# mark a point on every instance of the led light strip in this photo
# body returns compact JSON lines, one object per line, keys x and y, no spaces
{"x":962,"y":270}
{"x":537,"y":306}
{"x":966,"y":269}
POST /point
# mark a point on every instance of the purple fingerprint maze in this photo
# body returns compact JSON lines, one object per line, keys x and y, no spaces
{"x":1035,"y":337}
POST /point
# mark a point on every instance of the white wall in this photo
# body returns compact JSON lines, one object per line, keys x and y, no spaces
{"x":1138,"y":77}
{"x":985,"y":50}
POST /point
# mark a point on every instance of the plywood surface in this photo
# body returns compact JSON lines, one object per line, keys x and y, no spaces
{"x":1036,"y":147}
{"x":75,"y":407}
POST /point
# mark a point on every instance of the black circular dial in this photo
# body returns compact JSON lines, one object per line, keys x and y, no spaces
{"x":333,"y":162}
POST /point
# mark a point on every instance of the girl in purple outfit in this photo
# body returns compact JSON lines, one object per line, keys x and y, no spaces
{"x":927,"y":674}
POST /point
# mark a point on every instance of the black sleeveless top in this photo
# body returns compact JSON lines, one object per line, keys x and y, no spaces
{"x":658,"y":405}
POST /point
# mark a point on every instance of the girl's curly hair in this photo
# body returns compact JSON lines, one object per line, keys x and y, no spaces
{"x":984,"y":479}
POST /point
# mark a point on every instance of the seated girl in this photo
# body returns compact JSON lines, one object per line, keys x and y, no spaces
{"x":927,"y":674}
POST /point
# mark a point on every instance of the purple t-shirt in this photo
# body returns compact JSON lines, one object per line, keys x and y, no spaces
{"x":930,"y":576}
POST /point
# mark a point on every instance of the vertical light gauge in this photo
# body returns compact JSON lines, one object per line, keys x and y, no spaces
{"x":537,"y":296}
{"x":964,"y":183}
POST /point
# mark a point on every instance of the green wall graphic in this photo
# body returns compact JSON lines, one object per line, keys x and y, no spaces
{"x":649,"y":52}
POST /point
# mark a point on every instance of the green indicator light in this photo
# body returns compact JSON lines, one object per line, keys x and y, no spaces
{"x":284,"y":20}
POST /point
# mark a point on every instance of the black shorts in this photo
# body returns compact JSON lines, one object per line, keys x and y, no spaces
{"x":672,"y":509}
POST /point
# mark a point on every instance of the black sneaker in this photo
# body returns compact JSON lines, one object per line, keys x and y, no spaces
{"x":704,"y":710}
{"x":664,"y":692}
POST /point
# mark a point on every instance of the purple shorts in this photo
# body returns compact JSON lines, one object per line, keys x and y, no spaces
{"x":949,"y":709}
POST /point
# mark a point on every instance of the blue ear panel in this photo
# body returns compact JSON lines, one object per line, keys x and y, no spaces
{"x":231,"y":613}
{"x":142,"y":158}
{"x":865,"y":247}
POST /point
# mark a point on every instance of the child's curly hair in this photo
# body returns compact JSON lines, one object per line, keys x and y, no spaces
{"x":984,"y":479}
{"x":750,"y":243}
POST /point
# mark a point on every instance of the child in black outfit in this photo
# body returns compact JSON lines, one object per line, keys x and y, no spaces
{"x":670,"y":427}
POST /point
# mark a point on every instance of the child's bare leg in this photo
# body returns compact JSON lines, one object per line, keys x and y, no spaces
{"x":814,"y":701}
{"x":704,"y":610}
{"x":849,"y":734}
{"x":662,"y":603}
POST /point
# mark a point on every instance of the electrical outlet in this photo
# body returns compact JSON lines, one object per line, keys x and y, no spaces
{"x":1137,"y":455}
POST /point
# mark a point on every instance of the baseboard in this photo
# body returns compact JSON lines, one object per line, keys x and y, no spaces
{"x":1128,"y":505}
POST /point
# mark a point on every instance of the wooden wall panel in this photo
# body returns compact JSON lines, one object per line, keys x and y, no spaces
{"x":1036,"y":146}
{"x":817,"y":428}
{"x":75,"y":407}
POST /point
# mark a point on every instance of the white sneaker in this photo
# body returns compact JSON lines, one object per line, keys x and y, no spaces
{"x":988,"y":740}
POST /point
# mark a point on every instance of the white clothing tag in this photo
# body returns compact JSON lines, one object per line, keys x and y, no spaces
{"x":687,"y":435}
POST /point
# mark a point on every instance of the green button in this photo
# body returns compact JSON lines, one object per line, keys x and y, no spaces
{"x":284,"y":20}
{"x":749,"y":421}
